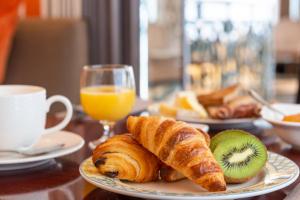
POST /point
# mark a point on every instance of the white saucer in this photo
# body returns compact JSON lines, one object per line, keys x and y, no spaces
{"x":72,"y":141}
{"x":10,"y":167}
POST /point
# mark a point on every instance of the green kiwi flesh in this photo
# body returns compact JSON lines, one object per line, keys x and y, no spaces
{"x":226,"y":135}
{"x":241,"y":158}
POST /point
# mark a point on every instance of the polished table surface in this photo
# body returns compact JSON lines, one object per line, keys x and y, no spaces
{"x":61,"y":179}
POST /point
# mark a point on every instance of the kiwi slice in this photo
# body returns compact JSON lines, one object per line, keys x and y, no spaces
{"x":241,"y":158}
{"x":226,"y":135}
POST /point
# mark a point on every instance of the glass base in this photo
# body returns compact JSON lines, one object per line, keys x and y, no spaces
{"x":107,"y":133}
{"x":93,"y":144}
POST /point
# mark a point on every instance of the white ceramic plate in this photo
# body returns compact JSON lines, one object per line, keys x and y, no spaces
{"x":278,"y":173}
{"x":72,"y":141}
{"x":212,"y":123}
{"x":203,"y":127}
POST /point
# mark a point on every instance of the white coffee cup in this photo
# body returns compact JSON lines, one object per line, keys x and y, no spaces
{"x":23,"y":111}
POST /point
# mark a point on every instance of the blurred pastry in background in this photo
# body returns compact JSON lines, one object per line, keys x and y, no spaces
{"x":239,"y":107}
{"x":187,"y":100}
{"x":227,"y":103}
{"x":219,"y":97}
{"x":167,"y":110}
{"x":184,"y":104}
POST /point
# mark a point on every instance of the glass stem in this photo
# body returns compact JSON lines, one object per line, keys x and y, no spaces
{"x":107,"y":128}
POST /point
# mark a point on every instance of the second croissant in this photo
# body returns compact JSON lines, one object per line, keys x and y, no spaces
{"x":180,"y":146}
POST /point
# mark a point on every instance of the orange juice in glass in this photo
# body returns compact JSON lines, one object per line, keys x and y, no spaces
{"x":107,"y":102}
{"x":107,"y":94}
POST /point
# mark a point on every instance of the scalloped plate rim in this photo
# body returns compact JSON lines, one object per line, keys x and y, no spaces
{"x":162,"y":195}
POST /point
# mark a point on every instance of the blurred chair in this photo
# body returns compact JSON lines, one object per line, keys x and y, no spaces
{"x":287,"y":45}
{"x":49,"y":53}
{"x":287,"y":42}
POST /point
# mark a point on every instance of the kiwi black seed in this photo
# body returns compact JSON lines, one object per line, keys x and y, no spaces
{"x":241,"y":158}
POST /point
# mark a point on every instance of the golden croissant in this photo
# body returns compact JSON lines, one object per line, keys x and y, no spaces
{"x":181,"y":147}
{"x":169,"y":174}
{"x":123,"y":158}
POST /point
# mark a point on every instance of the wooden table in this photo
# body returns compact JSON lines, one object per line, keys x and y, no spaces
{"x":61,"y":180}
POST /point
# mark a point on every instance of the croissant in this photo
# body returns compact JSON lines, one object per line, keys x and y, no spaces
{"x":123,"y":158}
{"x":169,"y":174}
{"x":179,"y":146}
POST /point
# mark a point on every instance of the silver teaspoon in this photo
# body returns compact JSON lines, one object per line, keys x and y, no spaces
{"x":259,"y":98}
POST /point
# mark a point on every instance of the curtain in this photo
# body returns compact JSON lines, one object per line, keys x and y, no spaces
{"x":113,"y":32}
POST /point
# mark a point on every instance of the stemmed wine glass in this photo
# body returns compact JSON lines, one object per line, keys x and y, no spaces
{"x":107,"y":94}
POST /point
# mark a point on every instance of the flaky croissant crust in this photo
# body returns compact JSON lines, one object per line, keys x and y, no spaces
{"x":180,"y":146}
{"x":169,"y":174}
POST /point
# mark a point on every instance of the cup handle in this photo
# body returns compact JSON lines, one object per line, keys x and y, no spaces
{"x":66,"y":120}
